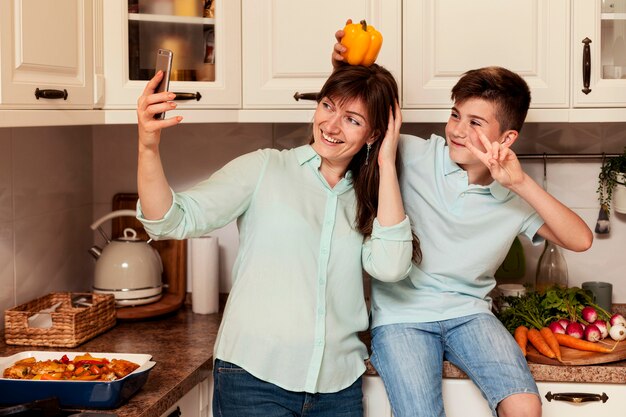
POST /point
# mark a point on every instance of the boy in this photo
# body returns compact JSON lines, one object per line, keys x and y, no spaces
{"x":468,"y":198}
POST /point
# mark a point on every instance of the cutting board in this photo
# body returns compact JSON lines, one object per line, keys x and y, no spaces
{"x":578,"y":357}
{"x":173,"y":254}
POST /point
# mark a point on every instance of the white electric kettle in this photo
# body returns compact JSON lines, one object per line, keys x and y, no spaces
{"x":127,"y":267}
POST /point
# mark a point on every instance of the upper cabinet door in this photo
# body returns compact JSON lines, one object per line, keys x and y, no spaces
{"x":46,"y":53}
{"x":287,"y":45}
{"x":599,"y":57}
{"x":205,"y":37}
{"x":445,"y":38}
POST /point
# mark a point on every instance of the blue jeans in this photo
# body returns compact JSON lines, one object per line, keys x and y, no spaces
{"x":236,"y":393}
{"x":409,"y":358}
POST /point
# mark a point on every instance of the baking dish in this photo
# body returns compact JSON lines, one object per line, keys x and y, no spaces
{"x":75,"y":394}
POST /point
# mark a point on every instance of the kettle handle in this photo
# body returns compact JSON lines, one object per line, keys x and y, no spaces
{"x":112,"y":215}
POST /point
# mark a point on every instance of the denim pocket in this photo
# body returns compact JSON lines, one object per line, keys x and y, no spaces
{"x":224,"y":367}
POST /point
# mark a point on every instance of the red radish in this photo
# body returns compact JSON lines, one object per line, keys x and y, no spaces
{"x":556,"y":327}
{"x":574,"y":329}
{"x":583,"y":325}
{"x":564,"y":323}
{"x":592,"y":333}
{"x":603,"y":327}
{"x":589,"y":314}
{"x":617,"y":319}
{"x":618,"y":332}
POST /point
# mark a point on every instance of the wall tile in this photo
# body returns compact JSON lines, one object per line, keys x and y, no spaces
{"x":6,"y":179}
{"x":51,"y":169}
{"x":51,"y":253}
{"x":7,"y":277}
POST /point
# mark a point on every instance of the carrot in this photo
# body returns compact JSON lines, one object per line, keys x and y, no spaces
{"x":548,"y":336}
{"x":537,"y":340}
{"x":521,"y":337}
{"x":572,"y":342}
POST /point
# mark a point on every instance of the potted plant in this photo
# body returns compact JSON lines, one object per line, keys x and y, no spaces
{"x":612,"y":178}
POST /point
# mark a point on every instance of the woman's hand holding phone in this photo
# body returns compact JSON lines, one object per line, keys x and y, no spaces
{"x":148,"y":105}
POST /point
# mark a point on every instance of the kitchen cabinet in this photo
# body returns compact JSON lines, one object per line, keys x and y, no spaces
{"x":46,"y":54}
{"x":207,"y":51}
{"x":195,"y":403}
{"x":599,"y":53}
{"x":444,"y":38}
{"x":460,"y":398}
{"x":287,"y":45}
{"x":582,"y":400}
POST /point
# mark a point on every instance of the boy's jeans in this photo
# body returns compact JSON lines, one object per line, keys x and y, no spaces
{"x":409,"y":357}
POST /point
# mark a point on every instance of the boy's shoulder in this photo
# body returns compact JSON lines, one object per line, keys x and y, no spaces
{"x":415,"y":147}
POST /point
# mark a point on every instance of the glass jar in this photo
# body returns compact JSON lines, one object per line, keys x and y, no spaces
{"x":551,"y":268}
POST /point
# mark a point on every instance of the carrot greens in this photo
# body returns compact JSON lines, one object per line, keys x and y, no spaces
{"x":539,"y":309}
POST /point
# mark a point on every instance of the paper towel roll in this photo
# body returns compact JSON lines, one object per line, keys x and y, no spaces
{"x":204,"y":271}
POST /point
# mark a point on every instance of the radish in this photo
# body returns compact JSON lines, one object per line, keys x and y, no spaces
{"x":603,"y":327}
{"x":589,"y":314}
{"x":556,"y":327}
{"x":564,"y":323}
{"x":618,"y":332}
{"x":617,"y":319}
{"x":574,"y":329}
{"x":592,"y":333}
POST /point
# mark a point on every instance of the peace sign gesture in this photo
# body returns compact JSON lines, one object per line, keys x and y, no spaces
{"x":499,"y":158}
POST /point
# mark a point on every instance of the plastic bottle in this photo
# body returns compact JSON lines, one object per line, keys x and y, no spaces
{"x":551,"y":268}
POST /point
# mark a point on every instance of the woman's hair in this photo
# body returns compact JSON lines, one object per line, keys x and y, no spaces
{"x":508,"y":92}
{"x":377,"y":89}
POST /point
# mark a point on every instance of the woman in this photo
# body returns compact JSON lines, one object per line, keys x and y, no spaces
{"x":309,"y":219}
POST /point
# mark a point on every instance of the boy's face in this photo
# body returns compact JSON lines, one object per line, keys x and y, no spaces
{"x":465,"y":117}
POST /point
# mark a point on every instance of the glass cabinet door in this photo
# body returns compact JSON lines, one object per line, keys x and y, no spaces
{"x":204,"y":36}
{"x":613,"y":39}
{"x":599,"y":53}
{"x":186,"y":27}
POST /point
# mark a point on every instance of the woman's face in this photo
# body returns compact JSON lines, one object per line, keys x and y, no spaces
{"x":340,"y":131}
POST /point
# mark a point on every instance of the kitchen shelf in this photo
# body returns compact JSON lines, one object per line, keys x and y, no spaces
{"x":613,"y":16}
{"x":160,"y":18}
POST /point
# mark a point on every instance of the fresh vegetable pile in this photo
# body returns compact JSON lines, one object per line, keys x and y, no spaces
{"x":561,"y":317}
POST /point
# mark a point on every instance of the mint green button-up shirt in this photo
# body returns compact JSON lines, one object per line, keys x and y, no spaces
{"x":296,"y":303}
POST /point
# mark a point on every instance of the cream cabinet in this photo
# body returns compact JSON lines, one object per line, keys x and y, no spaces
{"x":444,"y":38}
{"x":461,"y":398}
{"x":46,"y":54}
{"x":599,"y":53}
{"x":582,"y":400}
{"x":195,"y":403}
{"x":287,"y":45}
{"x":206,"y":68}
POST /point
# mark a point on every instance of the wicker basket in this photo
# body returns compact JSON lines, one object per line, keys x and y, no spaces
{"x":71,"y":324}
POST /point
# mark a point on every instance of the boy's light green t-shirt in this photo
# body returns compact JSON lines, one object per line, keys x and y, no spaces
{"x":465,"y":232}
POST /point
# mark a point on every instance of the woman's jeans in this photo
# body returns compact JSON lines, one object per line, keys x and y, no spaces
{"x":236,"y":393}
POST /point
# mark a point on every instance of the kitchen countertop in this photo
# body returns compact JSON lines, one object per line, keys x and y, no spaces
{"x":182,"y":345}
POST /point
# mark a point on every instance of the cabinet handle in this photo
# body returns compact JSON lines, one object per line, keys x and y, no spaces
{"x":54,"y":94}
{"x":188,"y":96}
{"x":305,"y":96}
{"x":586,"y":65}
{"x":175,"y":413}
{"x":576,"y":397}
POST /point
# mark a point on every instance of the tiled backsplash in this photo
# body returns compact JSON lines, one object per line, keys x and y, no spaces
{"x":55,"y":181}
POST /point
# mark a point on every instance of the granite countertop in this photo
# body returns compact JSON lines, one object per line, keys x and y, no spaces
{"x":182,"y":345}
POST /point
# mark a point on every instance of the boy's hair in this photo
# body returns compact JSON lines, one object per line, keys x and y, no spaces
{"x":504,"y":88}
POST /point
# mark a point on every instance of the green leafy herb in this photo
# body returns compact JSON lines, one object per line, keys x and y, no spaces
{"x":539,"y":309}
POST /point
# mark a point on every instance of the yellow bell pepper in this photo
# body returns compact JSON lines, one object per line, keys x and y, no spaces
{"x":363,"y":43}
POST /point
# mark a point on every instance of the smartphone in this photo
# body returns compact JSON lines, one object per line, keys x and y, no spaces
{"x":163,"y":63}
